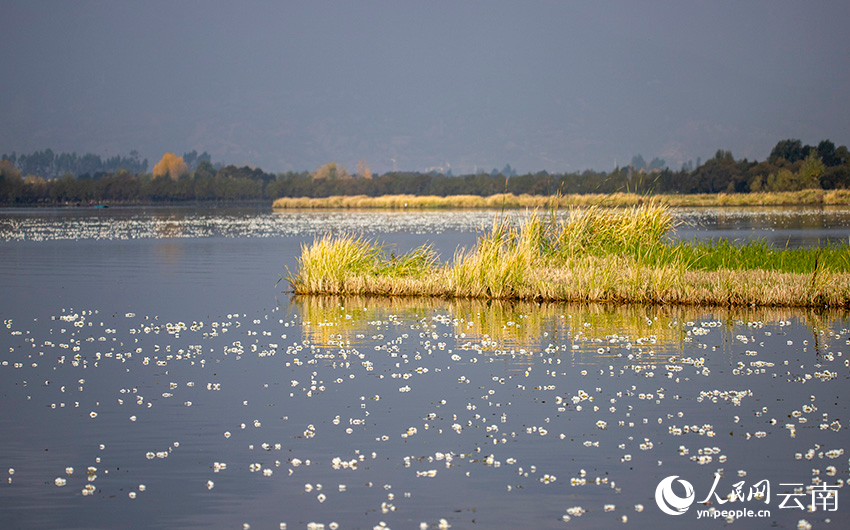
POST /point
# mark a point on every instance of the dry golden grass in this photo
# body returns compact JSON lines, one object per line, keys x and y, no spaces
{"x":589,"y":255}
{"x":509,"y":200}
{"x":601,"y":282}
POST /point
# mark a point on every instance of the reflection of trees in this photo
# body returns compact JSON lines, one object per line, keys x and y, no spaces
{"x":167,"y":225}
{"x":168,"y":253}
{"x":584,"y":333}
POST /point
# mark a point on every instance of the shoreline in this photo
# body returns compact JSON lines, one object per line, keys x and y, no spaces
{"x":130,"y":204}
{"x":782,"y":290}
{"x":511,"y":201}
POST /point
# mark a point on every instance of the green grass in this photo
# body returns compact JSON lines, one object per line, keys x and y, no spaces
{"x":589,"y":254}
{"x":723,"y":254}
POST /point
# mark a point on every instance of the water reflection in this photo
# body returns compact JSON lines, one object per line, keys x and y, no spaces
{"x":780,"y":226}
{"x":168,"y":225}
{"x":357,"y":411}
{"x":777,"y":225}
{"x":589,"y":332}
{"x":629,"y":395}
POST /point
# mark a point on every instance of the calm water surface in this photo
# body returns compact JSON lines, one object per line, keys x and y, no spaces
{"x":153,"y":376}
{"x":783,"y":226}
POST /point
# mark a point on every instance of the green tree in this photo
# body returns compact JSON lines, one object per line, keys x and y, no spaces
{"x":826,"y":151}
{"x":836,"y":177}
{"x":11,"y":183}
{"x":719,"y":174}
{"x":204,"y":169}
{"x":811,"y":171}
{"x":790,"y":150}
{"x":782,"y":180}
{"x":842,"y":156}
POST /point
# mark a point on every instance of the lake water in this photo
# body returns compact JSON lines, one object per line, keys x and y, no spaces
{"x":153,"y":375}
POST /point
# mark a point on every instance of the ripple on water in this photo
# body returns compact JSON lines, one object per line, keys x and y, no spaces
{"x":126,"y":223}
{"x":358,"y":412}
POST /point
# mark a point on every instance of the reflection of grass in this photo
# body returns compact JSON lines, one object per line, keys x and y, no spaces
{"x":532,"y":325}
{"x":512,"y":326}
{"x":593,"y":255}
{"x":337,"y":319}
{"x":488,"y":325}
{"x":509,"y":200}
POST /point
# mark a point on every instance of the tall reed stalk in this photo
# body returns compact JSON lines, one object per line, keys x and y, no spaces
{"x":585,"y":254}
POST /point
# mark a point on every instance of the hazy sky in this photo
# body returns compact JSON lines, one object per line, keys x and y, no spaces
{"x":561,"y":86}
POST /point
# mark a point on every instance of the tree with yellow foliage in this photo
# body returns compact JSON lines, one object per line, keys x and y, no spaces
{"x":331,"y":171}
{"x":363,"y":169}
{"x":171,"y":165}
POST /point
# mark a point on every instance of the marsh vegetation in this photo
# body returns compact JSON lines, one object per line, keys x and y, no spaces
{"x":149,"y":362}
{"x":585,"y":254}
{"x":513,"y":201}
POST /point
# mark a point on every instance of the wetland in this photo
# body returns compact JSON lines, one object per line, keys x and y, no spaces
{"x":153,"y":375}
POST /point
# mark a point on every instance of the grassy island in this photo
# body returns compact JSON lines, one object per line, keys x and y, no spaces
{"x":509,"y":200}
{"x":586,"y":254}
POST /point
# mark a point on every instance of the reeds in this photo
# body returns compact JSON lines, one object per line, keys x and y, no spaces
{"x":328,"y":264}
{"x":415,"y":201}
{"x":511,"y":201}
{"x":589,"y":255}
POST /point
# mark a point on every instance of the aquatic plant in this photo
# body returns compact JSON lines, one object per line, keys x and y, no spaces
{"x":591,"y":255}
{"x":326,"y":265}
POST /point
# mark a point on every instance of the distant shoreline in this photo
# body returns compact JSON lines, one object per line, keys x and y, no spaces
{"x":132,"y":204}
{"x":511,"y":201}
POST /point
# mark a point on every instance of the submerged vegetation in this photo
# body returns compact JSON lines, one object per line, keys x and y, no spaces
{"x":587,"y":254}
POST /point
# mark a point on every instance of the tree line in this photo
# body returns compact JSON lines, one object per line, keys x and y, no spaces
{"x":31,"y":179}
{"x":49,"y":165}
